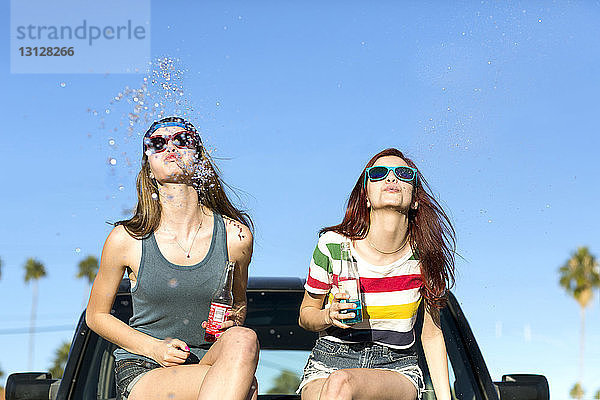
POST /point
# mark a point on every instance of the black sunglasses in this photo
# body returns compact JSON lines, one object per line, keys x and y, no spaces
{"x":182,"y":140}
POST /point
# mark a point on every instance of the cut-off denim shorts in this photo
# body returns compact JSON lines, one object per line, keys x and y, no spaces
{"x":328,"y":356}
{"x":128,"y":372}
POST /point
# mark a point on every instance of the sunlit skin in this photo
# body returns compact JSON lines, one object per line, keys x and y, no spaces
{"x":227,"y":369}
{"x":389,"y":201}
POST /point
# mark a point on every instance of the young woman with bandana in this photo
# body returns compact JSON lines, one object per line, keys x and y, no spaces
{"x":174,"y":250}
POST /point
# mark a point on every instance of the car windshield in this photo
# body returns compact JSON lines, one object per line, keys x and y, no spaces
{"x":279,"y":371}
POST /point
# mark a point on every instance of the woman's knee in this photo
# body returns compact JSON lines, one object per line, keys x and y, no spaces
{"x":242,"y":341}
{"x":337,"y":386}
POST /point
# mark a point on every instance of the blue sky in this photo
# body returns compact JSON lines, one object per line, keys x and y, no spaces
{"x":493,"y":101}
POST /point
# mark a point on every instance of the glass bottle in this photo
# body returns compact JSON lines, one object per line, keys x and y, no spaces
{"x":349,"y":283}
{"x":221,"y":303}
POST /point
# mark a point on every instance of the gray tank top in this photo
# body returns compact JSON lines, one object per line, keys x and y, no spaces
{"x":171,"y":301}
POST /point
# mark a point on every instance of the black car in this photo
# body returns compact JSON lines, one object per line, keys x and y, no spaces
{"x":273,"y":305}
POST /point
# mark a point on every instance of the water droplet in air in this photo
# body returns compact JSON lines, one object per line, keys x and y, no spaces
{"x":489,"y":63}
{"x":272,"y":331}
{"x":547,"y":205}
{"x":489,"y":221}
{"x":112,"y":161}
{"x":121,"y":187}
{"x":154,"y":196}
{"x":218,"y":104}
{"x":77,"y":250}
{"x":111,"y":142}
{"x":107,"y":111}
{"x":63,"y":84}
{"x":540,"y":21}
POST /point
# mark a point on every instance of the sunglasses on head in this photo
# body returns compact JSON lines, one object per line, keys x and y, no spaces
{"x":182,"y":140}
{"x":380,"y":172}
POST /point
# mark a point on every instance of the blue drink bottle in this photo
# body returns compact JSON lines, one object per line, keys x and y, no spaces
{"x":349,"y":283}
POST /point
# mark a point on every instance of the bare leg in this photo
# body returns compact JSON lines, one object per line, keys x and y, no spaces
{"x":253,"y":393}
{"x":312,"y":389}
{"x":360,"y":384}
{"x":225,"y":372}
{"x":232,"y":360}
{"x":181,"y":382}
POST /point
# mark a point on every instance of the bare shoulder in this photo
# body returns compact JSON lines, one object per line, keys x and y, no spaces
{"x":119,"y":238}
{"x":239,"y":236}
{"x":122,"y":248}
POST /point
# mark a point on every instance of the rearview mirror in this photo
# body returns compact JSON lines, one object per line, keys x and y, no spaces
{"x":523,"y":387}
{"x":31,"y":386}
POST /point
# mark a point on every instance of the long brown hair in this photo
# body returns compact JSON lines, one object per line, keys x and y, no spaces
{"x":431,"y":234}
{"x":210,"y":189}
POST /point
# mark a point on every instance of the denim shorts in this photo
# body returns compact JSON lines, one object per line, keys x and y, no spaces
{"x":328,"y":356}
{"x":128,"y":372}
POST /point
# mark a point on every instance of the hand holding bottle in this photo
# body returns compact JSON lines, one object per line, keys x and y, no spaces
{"x":334,"y":315}
{"x":228,"y":323}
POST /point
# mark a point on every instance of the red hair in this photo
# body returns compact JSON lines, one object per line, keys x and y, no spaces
{"x":431,"y":234}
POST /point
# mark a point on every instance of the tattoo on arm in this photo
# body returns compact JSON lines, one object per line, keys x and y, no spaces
{"x":238,"y":226}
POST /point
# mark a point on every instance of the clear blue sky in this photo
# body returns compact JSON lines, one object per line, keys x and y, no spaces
{"x":494,"y":102}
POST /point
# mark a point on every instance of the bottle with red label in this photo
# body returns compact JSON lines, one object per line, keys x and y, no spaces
{"x":221,"y":303}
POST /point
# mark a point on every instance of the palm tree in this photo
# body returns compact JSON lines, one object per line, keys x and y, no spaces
{"x":287,"y":382}
{"x":579,"y":276}
{"x":87,"y":268}
{"x":34,"y":270}
{"x":577,"y":391}
{"x":60,"y":359}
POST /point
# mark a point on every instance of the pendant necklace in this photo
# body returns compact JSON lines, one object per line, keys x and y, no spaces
{"x":191,"y":245}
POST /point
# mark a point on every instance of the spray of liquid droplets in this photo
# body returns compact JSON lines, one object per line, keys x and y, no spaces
{"x":160,"y":93}
{"x":129,"y":113}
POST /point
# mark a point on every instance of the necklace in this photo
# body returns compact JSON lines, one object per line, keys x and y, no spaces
{"x":389,"y":252}
{"x":191,"y":245}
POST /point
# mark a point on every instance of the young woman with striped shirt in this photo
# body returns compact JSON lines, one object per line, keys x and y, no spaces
{"x":403,"y":244}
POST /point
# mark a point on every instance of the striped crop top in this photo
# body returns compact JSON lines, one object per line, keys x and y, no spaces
{"x":390,"y":294}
